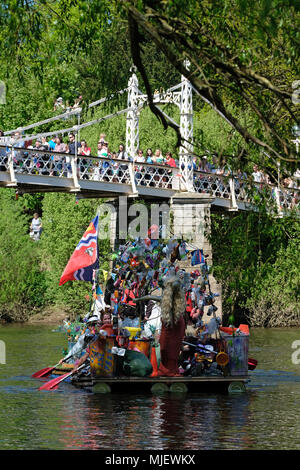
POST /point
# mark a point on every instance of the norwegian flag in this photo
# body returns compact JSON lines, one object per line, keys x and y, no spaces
{"x":84,"y":259}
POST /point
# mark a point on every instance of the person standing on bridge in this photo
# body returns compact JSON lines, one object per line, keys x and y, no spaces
{"x":58,"y":160}
{"x":72,"y":149}
{"x":84,"y":150}
{"x":159,"y":157}
{"x":17,"y":156}
{"x":122,"y":155}
{"x":149,"y":156}
{"x":170,"y":160}
{"x":139,"y":159}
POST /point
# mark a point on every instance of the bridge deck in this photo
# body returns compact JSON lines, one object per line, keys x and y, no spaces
{"x":35,"y":171}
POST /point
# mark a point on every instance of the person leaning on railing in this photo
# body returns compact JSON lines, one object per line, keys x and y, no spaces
{"x":122,"y":155}
{"x":86,"y":151}
{"x":17,"y":155}
{"x":106,"y":165}
{"x":169,"y":161}
{"x":57,"y":163}
{"x":139,"y":158}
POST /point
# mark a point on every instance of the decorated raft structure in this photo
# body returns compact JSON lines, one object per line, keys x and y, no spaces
{"x":155,"y":338}
{"x":110,"y":372}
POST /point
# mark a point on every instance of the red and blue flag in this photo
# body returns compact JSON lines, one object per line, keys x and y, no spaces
{"x":84,"y":259}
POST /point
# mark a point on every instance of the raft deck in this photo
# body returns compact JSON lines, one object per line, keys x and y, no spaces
{"x":145,"y":384}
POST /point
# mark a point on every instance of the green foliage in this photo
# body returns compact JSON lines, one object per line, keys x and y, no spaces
{"x":275,"y":296}
{"x":65,"y":48}
{"x":255,"y":258}
{"x":64,"y":222}
{"x":22,"y":284}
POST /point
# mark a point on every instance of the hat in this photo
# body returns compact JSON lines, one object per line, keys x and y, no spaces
{"x":59,"y":99}
{"x":93,"y":319}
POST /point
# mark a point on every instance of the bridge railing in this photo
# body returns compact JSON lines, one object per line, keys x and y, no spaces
{"x":157,"y":176}
{"x":244,"y":190}
{"x":238,"y":191}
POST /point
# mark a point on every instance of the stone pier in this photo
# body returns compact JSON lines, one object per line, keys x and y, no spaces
{"x":188,"y":217}
{"x":191,"y":222}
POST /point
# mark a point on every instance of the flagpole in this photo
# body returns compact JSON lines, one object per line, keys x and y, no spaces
{"x":96,"y":271}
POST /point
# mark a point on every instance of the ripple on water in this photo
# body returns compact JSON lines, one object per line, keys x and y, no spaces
{"x":265,"y":417}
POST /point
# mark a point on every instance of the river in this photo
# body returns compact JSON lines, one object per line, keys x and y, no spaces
{"x":265,"y":417}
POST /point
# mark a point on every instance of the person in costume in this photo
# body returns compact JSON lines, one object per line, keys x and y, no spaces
{"x":173,"y":327}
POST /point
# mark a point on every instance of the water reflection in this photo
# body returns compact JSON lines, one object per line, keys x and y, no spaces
{"x":266,"y":417}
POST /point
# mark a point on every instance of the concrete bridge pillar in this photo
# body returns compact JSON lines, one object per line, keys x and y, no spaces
{"x":188,"y":216}
{"x":191,"y":222}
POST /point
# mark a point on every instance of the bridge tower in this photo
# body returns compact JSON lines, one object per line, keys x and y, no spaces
{"x":132,"y":119}
{"x":135,"y":101}
{"x":186,"y":131}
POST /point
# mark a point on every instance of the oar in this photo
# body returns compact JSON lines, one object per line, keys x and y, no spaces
{"x":252,"y":363}
{"x":54,"y":382}
{"x":47,"y":370}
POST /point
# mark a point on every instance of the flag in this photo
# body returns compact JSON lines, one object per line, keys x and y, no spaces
{"x":84,"y":258}
{"x":197,"y":257}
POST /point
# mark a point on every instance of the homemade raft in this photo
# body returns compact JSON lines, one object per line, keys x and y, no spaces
{"x":158,"y":343}
{"x":107,"y":370}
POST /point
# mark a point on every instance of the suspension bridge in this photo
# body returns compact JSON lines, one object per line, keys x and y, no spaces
{"x":31,"y":170}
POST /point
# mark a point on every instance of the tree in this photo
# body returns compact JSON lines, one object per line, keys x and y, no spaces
{"x":239,"y":55}
{"x":64,"y":222}
{"x":243,"y":60}
{"x":22,"y":284}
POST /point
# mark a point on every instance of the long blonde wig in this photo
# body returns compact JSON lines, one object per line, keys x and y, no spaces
{"x":173,"y":302}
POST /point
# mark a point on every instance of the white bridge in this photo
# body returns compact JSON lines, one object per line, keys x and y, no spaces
{"x":32,"y":170}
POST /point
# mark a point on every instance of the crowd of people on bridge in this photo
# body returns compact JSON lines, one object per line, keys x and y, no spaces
{"x":110,"y":168}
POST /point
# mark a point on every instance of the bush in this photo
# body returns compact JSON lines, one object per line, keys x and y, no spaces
{"x":64,"y":223}
{"x":22,"y":284}
{"x":275,"y":297}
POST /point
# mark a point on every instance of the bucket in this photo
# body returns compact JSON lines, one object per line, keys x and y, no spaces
{"x":141,"y":345}
{"x":133,"y":331}
{"x":237,"y":350}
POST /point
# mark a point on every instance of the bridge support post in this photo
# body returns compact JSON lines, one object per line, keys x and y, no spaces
{"x":10,"y":161}
{"x":132,"y":120}
{"x":186,"y":131}
{"x":234,"y":206}
{"x":191,"y":222}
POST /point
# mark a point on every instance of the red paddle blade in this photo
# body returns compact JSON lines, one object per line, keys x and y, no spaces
{"x":42,"y":372}
{"x":52,"y":383}
{"x":252,"y":363}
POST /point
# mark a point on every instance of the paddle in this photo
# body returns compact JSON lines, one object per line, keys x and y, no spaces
{"x":52,"y":384}
{"x":47,"y":370}
{"x":252,"y":363}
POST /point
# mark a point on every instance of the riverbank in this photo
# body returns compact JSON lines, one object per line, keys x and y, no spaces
{"x":49,"y":315}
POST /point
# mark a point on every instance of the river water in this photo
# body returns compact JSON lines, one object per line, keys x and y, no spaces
{"x":265,"y":417}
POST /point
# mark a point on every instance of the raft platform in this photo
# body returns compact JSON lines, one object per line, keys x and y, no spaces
{"x":124,"y":384}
